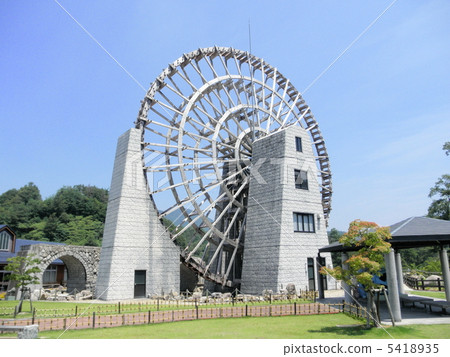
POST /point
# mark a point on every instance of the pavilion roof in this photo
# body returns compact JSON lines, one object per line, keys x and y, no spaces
{"x":409,"y":233}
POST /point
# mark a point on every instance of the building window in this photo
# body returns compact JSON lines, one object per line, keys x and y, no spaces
{"x":301,"y":179}
{"x":304,"y":222}
{"x":50,"y":274}
{"x":5,"y":239}
{"x":298,"y":144}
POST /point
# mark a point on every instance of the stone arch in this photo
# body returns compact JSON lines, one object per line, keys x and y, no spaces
{"x":76,"y":272}
{"x":81,"y":263}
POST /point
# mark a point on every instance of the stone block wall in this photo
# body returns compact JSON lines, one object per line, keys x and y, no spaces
{"x":81,"y":263}
{"x":274,"y":254}
{"x":134,"y":238}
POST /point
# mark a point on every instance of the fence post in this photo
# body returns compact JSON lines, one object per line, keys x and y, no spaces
{"x":423,"y":285}
{"x":157,"y":303}
{"x":196,"y":310}
{"x":439,"y":284}
{"x":93,"y":319}
{"x":295,"y":308}
{"x":246,"y":310}
{"x":76,"y":310}
{"x":119,"y":306}
{"x":123,"y":320}
{"x":149,"y":316}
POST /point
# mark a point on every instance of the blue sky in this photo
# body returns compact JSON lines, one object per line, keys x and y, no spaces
{"x":383,"y":108}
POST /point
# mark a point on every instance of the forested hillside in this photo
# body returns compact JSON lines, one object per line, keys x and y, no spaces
{"x":74,"y":215}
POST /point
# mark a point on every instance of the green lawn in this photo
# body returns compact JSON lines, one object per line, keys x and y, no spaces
{"x":288,"y":327}
{"x":433,"y":294}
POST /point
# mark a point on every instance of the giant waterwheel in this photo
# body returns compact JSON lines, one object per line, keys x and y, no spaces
{"x":198,"y":120}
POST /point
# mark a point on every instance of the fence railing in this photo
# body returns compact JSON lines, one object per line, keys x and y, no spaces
{"x":422,"y":284}
{"x":93,"y":320}
{"x":161,"y":304}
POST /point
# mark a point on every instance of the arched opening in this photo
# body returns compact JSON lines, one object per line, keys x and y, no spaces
{"x":67,"y":271}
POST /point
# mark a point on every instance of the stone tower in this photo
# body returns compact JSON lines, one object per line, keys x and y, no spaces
{"x":285,"y":220}
{"x":137,"y":257}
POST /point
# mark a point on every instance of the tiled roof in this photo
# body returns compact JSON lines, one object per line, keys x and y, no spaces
{"x":409,"y":233}
{"x":419,"y":226}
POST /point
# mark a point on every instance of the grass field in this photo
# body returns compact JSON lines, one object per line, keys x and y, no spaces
{"x":292,"y":327}
{"x":433,"y":294}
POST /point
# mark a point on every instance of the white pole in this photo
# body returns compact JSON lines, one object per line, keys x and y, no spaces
{"x":399,"y":270}
{"x":445,"y":272}
{"x":391,"y":275}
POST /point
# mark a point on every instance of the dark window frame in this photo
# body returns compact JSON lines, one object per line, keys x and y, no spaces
{"x":303,"y":184}
{"x":298,"y":144}
{"x":304,"y":222}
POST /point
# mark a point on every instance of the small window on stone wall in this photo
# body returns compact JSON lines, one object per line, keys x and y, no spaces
{"x":304,"y":222}
{"x":301,"y":179}
{"x":298,"y":144}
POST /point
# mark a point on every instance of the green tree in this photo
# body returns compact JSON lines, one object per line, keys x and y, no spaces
{"x":440,"y":192}
{"x":83,"y":231}
{"x":19,"y":207}
{"x":446,"y":148}
{"x":23,"y":273}
{"x":372,"y":244}
{"x":333,"y":236}
{"x":440,"y":207}
{"x":74,"y":214}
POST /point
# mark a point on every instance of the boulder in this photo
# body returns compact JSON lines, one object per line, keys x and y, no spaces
{"x":432,"y":280}
{"x":290,"y":289}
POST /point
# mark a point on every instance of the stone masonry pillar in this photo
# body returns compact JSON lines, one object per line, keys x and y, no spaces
{"x":134,"y":239}
{"x":393,"y":296}
{"x":277,"y":251}
{"x":399,"y":270}
{"x":445,"y":272}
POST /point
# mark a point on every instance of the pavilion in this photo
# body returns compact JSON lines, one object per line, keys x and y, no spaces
{"x":409,"y":233}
